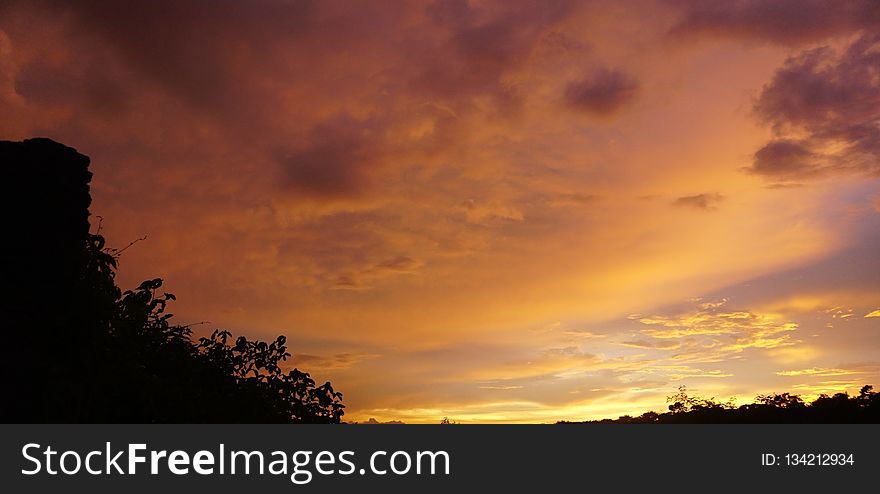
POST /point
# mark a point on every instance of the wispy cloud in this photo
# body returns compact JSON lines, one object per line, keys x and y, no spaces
{"x":818,"y":371}
{"x":711,"y":332}
{"x":705,"y":202}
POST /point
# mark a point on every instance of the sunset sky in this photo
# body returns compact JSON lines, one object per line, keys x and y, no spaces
{"x":495,"y":211}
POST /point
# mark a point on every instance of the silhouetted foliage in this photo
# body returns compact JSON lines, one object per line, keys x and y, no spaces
{"x":681,"y":402}
{"x":767,"y":409}
{"x":82,"y":350}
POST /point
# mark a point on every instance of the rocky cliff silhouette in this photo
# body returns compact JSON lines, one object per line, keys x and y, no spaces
{"x":46,"y":201}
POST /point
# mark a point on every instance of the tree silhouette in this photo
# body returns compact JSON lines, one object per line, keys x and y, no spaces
{"x":767,"y":409}
{"x":82,"y":350}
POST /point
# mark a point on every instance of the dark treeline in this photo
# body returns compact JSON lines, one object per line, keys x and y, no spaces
{"x":77,"y":348}
{"x":783,"y":408}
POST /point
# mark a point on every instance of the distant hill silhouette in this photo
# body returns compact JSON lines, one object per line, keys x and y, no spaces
{"x":783,"y":408}
{"x":79,"y":349}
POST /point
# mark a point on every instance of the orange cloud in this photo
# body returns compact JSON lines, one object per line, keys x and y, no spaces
{"x":451,"y":207}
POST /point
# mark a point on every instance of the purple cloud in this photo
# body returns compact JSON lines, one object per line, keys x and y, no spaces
{"x":788,"y":22}
{"x":602,"y":94}
{"x":831,"y":101}
{"x":703,"y":202}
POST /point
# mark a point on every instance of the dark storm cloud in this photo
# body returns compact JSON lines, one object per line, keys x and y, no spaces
{"x":215,"y":53}
{"x":786,"y":159}
{"x":223,"y":59}
{"x":831,"y":101}
{"x":480,"y":46}
{"x":200,"y":50}
{"x":272,"y":74}
{"x":603,"y":93}
{"x":780,"y":21}
{"x":334,"y":159}
{"x":703,"y":202}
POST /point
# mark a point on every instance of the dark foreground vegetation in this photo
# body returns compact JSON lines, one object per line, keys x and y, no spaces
{"x":784,"y":408}
{"x":77,"y":348}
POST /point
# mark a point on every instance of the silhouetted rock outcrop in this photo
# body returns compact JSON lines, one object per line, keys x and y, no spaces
{"x":45,"y":201}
